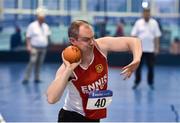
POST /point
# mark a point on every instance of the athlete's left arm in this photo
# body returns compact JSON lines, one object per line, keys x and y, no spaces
{"x":119,"y":44}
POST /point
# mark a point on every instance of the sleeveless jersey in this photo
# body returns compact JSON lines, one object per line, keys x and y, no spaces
{"x":95,"y":77}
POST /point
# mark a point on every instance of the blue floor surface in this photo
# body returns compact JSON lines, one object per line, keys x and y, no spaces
{"x":27,"y":103}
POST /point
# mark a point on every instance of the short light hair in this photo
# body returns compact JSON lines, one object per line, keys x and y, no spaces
{"x":41,"y":11}
{"x":73,"y":30}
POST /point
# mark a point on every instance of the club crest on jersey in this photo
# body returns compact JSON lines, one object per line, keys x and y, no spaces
{"x":99,"y":68}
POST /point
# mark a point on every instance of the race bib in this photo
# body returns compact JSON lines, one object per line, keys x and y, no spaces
{"x":99,"y":99}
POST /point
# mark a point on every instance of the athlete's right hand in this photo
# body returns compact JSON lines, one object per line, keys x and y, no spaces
{"x":68,"y":64}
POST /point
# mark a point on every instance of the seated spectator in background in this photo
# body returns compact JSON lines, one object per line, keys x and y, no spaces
{"x":120,"y":28}
{"x":175,"y":46}
{"x":100,"y":28}
{"x":16,"y":39}
{"x":1,"y":28}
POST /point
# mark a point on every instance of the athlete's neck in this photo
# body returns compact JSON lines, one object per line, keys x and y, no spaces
{"x":87,"y":58}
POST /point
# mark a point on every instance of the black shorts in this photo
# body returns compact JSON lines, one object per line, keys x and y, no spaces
{"x":71,"y":116}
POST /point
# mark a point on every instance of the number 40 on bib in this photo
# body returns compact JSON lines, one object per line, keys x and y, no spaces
{"x":99,"y":99}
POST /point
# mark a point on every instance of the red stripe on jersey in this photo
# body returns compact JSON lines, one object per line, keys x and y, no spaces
{"x":95,"y":77}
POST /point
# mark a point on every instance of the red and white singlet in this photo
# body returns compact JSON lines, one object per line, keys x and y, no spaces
{"x":93,"y":78}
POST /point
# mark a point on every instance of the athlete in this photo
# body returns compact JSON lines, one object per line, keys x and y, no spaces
{"x":86,"y":81}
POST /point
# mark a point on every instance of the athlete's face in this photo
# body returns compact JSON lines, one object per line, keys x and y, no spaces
{"x":85,"y":39}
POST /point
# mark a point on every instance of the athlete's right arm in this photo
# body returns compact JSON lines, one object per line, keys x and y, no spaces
{"x":58,"y":85}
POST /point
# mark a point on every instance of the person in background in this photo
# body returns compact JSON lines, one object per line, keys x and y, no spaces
{"x":16,"y":39}
{"x":90,"y":74}
{"x":147,"y":29}
{"x":37,"y":38}
{"x":175,"y":46}
{"x":120,"y":28}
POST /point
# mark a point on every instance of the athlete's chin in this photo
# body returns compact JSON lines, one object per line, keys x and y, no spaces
{"x":91,"y":47}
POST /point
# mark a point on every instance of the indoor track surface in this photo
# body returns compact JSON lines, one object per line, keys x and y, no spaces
{"x":21,"y":103}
